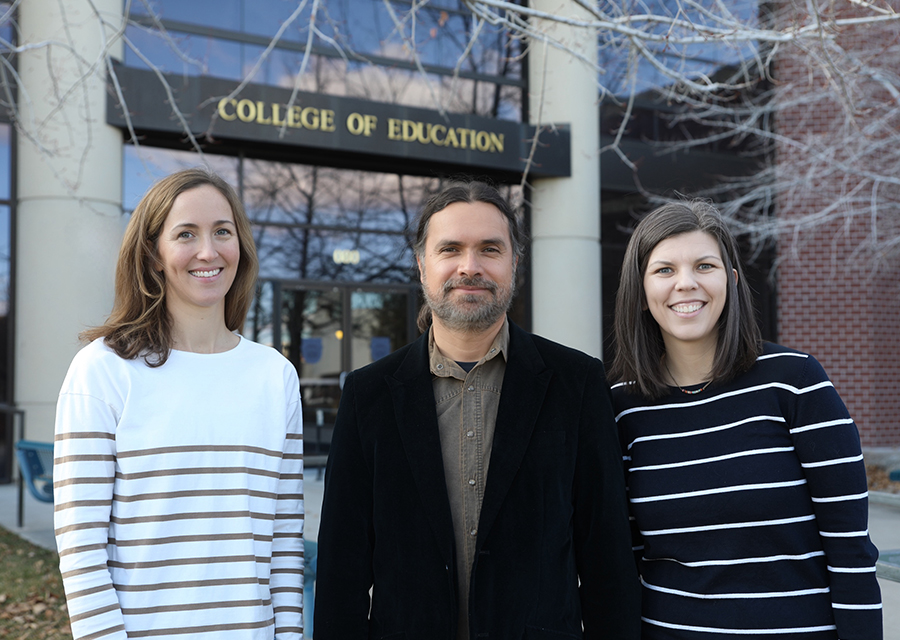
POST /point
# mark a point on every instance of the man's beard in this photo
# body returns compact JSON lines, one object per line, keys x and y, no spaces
{"x":469,"y":312}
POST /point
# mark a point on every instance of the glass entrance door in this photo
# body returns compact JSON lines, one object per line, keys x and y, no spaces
{"x":327,"y":330}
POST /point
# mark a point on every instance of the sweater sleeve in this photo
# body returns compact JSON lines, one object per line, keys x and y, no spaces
{"x":286,"y":584}
{"x":83,"y":478}
{"x":827,"y":443}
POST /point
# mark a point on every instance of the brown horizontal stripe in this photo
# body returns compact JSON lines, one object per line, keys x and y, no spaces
{"x":204,"y":515}
{"x":212,"y":537}
{"x":84,"y":570}
{"x":104,"y":632}
{"x":95,"y":612}
{"x":81,"y":527}
{"x":298,"y":571}
{"x":286,"y":590}
{"x":291,"y":476}
{"x":293,"y":456}
{"x":195,"y":493}
{"x":198,"y":449}
{"x":289,"y":516}
{"x":294,"y":436}
{"x":205,"y":629}
{"x":287,"y":554}
{"x":187,"y":584}
{"x":286,"y":609}
{"x":73,"y":481}
{"x":288,"y":534}
{"x":87,"y":592}
{"x":86,"y":457}
{"x":290,"y":496}
{"x":84,"y":435}
{"x":82,"y":549}
{"x":178,"y":562}
{"x":81,"y":503}
{"x":196,"y":471}
{"x":281,"y":630}
{"x":197,"y":606}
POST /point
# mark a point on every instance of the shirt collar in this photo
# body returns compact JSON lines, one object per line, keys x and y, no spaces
{"x":443,"y":367}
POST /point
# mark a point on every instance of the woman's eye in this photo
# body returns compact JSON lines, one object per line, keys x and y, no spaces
{"x":223,"y":232}
{"x":664,"y":270}
{"x":184,"y":234}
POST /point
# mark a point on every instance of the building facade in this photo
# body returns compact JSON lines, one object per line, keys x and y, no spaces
{"x":333,"y":142}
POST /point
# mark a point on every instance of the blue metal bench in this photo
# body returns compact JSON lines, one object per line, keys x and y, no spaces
{"x":36,"y":470}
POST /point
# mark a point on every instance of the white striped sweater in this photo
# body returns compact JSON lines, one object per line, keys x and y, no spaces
{"x":749,"y":506}
{"x":179,"y":495}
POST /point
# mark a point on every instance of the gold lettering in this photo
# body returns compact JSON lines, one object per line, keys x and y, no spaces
{"x":293,"y":117}
{"x":463,"y":134}
{"x":310,"y":118}
{"x":409,"y":131}
{"x":422,"y":133}
{"x":261,"y":113}
{"x":483,"y":141}
{"x":433,"y":136}
{"x":393,"y":129}
{"x":355,"y":123}
{"x":327,"y":123}
{"x":246,"y":110}
{"x":276,"y":119}
{"x":451,"y":138}
{"x":222,"y":113}
{"x":497,"y":142}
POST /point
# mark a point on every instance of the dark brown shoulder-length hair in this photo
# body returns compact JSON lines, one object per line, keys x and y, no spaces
{"x":468,"y":191}
{"x":140,"y":324}
{"x":639,"y":342}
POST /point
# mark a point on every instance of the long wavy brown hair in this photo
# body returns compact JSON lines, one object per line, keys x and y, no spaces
{"x":140,"y":324}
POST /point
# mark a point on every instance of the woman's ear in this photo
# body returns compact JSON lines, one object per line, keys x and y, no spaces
{"x":735,"y":275}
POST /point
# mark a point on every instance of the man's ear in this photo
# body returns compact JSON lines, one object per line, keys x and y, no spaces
{"x":421,"y":269}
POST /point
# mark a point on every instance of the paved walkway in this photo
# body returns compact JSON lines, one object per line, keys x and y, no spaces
{"x":884,"y":527}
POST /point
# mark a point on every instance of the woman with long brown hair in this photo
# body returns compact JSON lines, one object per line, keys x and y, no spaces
{"x":745,"y":476}
{"x":178,"y":455}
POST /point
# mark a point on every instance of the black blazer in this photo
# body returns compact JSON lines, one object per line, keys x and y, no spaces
{"x":554,"y":509}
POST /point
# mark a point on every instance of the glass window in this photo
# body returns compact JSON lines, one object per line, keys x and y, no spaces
{"x":145,"y":165}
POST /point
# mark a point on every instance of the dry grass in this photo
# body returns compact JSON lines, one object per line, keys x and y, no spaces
{"x":32,"y":603}
{"x":879,"y":480}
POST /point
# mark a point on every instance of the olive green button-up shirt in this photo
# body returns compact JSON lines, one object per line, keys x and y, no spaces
{"x":466,"y":406}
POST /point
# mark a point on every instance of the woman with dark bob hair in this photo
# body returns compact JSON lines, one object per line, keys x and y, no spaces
{"x":745,"y":476}
{"x":178,"y":474}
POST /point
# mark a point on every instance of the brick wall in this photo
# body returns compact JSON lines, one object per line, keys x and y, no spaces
{"x":839,"y":299}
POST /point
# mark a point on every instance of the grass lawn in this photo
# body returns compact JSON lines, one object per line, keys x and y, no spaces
{"x":32,"y":601}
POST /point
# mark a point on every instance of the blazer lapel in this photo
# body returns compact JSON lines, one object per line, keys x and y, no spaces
{"x":525,"y":384}
{"x":413,"y":397}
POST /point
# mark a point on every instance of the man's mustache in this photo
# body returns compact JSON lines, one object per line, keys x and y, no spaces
{"x":481,"y":283}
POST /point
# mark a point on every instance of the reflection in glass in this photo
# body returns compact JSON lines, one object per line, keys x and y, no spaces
{"x":5,"y":168}
{"x":145,"y":165}
{"x":312,"y":338}
{"x":380,"y":324}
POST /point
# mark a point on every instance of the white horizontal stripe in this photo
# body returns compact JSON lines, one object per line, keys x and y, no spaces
{"x":822,"y":425}
{"x":737,"y":596}
{"x":779,"y":355}
{"x":843,"y":534}
{"x":729,"y":394}
{"x":739,"y":632}
{"x":829,"y":463}
{"x":686,"y":434}
{"x":709,"y":492}
{"x":851,"y":569}
{"x":730,"y":525}
{"x":855,"y":496}
{"x":836,"y":605}
{"x":730,"y":456}
{"x":725,"y":563}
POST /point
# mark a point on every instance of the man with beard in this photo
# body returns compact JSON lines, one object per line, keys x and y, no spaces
{"x":474,"y":487}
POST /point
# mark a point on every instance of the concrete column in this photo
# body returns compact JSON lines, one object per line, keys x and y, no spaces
{"x":69,"y":194}
{"x":565,"y":229}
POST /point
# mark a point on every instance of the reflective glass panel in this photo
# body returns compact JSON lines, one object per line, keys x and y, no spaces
{"x":380,"y":324}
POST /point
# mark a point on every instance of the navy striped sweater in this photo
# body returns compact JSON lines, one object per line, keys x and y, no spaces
{"x":749,"y":506}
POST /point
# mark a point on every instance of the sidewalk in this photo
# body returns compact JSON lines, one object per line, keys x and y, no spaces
{"x":884,"y":528}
